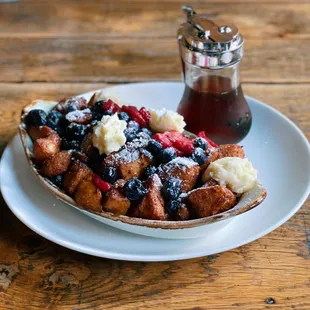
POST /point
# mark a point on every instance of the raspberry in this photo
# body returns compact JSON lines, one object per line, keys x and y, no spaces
{"x":102,"y":185}
{"x":184,"y":145}
{"x":163,"y":139}
{"x":111,"y":106}
{"x":135,"y":115}
{"x":145,"y":114}
{"x":202,"y":134}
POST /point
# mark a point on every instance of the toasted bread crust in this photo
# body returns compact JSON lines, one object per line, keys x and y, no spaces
{"x":152,"y":206}
{"x":44,"y":148}
{"x":57,"y":164}
{"x":187,"y":174}
{"x":40,"y":132}
{"x":211,"y":200}
{"x":77,"y":172}
{"x":88,"y":195}
{"x":116,"y":202}
{"x":183,"y":213}
{"x":225,"y":150}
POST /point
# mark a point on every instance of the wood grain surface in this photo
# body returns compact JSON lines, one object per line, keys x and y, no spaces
{"x":52,"y":49}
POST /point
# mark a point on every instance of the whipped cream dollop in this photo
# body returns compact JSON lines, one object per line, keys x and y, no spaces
{"x":236,"y":173}
{"x":109,"y":134}
{"x":166,"y":120}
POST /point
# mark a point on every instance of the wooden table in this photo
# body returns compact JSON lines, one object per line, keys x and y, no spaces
{"x":52,"y":49}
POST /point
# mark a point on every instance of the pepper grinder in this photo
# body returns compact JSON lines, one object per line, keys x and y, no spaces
{"x":213,"y":99}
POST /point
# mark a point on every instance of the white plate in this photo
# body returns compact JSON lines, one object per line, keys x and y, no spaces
{"x":275,"y":145}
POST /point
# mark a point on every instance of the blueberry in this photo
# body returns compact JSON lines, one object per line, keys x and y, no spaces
{"x":54,"y":119}
{"x":98,"y":106}
{"x":134,"y":189}
{"x":123,"y":116}
{"x":57,"y":180}
{"x":36,"y":118}
{"x":168,"y":154}
{"x":70,"y":145}
{"x":142,"y":135}
{"x":76,"y":132}
{"x":97,"y":116}
{"x":172,"y":189}
{"x":71,"y":108}
{"x":109,"y":174}
{"x":147,"y":131}
{"x":149,"y":170}
{"x":154,"y":147}
{"x":173,"y":206}
{"x":130,"y":134}
{"x":199,"y":156}
{"x":133,"y":124}
{"x":201,"y":143}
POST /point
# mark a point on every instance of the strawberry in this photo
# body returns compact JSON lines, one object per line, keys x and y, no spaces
{"x":145,"y":114}
{"x":184,"y":145}
{"x":102,"y":185}
{"x":135,"y":115}
{"x":163,"y":139}
{"x":202,"y":134}
{"x":112,"y":106}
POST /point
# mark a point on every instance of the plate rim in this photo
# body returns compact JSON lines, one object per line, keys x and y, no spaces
{"x":170,"y":257}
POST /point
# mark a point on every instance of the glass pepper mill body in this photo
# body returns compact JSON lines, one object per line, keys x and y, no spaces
{"x":213,"y":99}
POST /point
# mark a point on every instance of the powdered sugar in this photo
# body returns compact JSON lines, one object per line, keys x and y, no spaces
{"x":78,"y":116}
{"x":157,"y":181}
{"x":182,"y":163}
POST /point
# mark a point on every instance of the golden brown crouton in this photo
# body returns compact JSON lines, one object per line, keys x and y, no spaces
{"x":88,"y":195}
{"x":209,"y":183}
{"x":225,"y":150}
{"x":206,"y":201}
{"x":87,"y":145}
{"x":183,"y":213}
{"x":152,"y":206}
{"x":57,"y":164}
{"x":116,"y":202}
{"x":77,"y":172}
{"x":40,"y":132}
{"x":79,"y":103}
{"x":129,"y":162}
{"x":182,"y":168}
{"x":44,"y":148}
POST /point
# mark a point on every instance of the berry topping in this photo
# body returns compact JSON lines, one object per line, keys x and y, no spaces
{"x":134,"y":189}
{"x":154,"y":146}
{"x":149,"y":170}
{"x":163,"y":139}
{"x":147,"y":131}
{"x":168,"y":154}
{"x":173,"y":206}
{"x":79,"y":117}
{"x":102,"y":185}
{"x":123,"y":116}
{"x":72,"y":108}
{"x":130,"y":134}
{"x":135,"y":115}
{"x":36,"y":118}
{"x":70,"y":145}
{"x":199,"y":156}
{"x":71,"y":104}
{"x":110,"y":174}
{"x":54,"y":119}
{"x":134,"y":125}
{"x":111,"y":106}
{"x":201,"y":143}
{"x":57,"y":180}
{"x":145,"y":114}
{"x":172,"y":189}
{"x":202,"y":134}
{"x":76,"y":132}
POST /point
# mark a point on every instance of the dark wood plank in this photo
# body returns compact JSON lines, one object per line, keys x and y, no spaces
{"x":102,"y":19}
{"x":112,"y":60}
{"x":38,"y":274}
